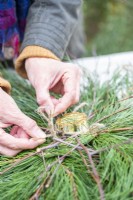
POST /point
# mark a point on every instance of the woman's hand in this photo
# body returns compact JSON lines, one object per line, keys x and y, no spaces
{"x":51,"y":75}
{"x":24,"y":135}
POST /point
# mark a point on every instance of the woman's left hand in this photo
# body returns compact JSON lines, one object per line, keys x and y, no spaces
{"x":51,"y":75}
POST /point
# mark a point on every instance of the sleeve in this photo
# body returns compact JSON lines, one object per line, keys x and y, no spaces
{"x":50,"y":24}
{"x":5,"y":85}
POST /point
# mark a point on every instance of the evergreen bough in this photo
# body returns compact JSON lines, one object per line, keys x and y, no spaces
{"x":95,"y":165}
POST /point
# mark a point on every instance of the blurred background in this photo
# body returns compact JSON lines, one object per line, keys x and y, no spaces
{"x":108,"y":26}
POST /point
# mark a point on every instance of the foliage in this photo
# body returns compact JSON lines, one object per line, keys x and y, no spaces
{"x":95,"y":165}
{"x":108,"y":24}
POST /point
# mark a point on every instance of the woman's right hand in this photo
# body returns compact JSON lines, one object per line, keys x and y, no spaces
{"x":25,"y":134}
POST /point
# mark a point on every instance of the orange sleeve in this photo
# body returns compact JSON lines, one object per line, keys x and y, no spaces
{"x":5,"y":85}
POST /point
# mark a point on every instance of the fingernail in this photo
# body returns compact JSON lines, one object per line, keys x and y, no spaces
{"x":40,"y":134}
{"x":39,"y":140}
{"x":55,"y":114}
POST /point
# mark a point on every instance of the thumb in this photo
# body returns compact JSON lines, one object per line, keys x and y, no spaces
{"x":44,"y":100}
{"x":30,"y":126}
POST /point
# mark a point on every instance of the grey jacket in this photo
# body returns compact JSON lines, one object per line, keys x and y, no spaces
{"x":54,"y":24}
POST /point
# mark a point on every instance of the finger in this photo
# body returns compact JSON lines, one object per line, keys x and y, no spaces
{"x":8,"y":152}
{"x":66,"y":101}
{"x":18,"y":132}
{"x":71,"y":92}
{"x":44,"y":99}
{"x":71,"y":80}
{"x":3,"y":125}
{"x":18,"y":143}
{"x":54,"y":100}
{"x":13,"y":131}
{"x":30,"y":126}
{"x":22,"y":134}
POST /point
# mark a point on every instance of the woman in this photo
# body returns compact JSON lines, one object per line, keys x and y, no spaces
{"x":46,"y":29}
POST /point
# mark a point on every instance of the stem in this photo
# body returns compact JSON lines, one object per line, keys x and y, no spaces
{"x":80,"y":106}
{"x":38,"y":151}
{"x":39,"y":190}
{"x":95,"y":173}
{"x":119,"y":129}
{"x":129,"y":141}
{"x":104,"y":107}
{"x":85,"y":162}
{"x":69,"y":144}
{"x":49,"y":181}
{"x":29,"y":155}
{"x":107,"y":116}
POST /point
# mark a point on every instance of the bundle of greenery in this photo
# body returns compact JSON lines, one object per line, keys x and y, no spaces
{"x":91,"y":158}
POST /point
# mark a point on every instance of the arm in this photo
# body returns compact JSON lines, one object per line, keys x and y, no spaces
{"x":50,"y":25}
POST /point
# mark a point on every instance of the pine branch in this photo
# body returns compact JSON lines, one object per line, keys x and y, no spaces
{"x":115,"y":167}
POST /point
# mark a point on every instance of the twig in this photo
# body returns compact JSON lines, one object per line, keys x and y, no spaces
{"x":49,"y":119}
{"x":51,"y":126}
{"x":129,"y":141}
{"x":95,"y":173}
{"x":107,"y":116}
{"x":56,"y":169}
{"x":38,"y":151}
{"x":69,"y":144}
{"x":127,"y":98}
{"x":17,"y":162}
{"x":119,"y":129}
{"x":74,"y":187}
{"x":91,"y":116}
{"x":30,"y":155}
{"x":39,"y":190}
{"x":93,"y":152}
{"x":60,"y":160}
{"x":43,"y":158}
{"x":85,"y":162}
{"x":90,"y":172}
{"x":48,"y":147}
{"x":39,"y":111}
{"x":111,"y":131}
{"x":62,"y":157}
{"x":80,"y":106}
{"x":104,"y":107}
{"x":48,"y":182}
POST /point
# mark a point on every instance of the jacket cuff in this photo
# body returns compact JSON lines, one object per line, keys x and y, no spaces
{"x":5,"y":85}
{"x":28,"y":52}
